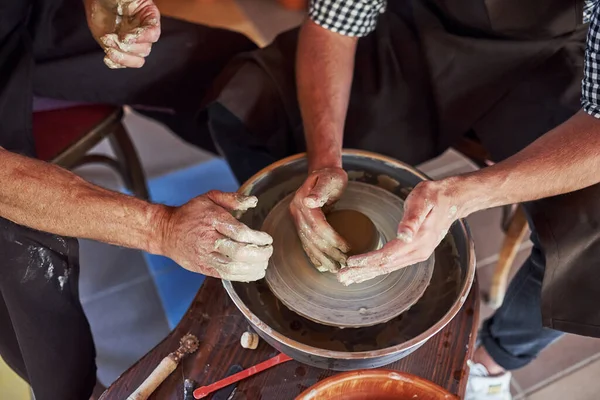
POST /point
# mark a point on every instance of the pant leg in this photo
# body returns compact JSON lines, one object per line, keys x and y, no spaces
{"x":514,"y":335}
{"x":16,"y":69}
{"x":45,"y":335}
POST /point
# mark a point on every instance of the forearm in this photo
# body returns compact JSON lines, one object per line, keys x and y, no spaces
{"x":325,"y":65}
{"x":47,"y":198}
{"x":564,"y":160}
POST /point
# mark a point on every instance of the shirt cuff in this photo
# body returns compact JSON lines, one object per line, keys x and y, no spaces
{"x":356,"y":18}
{"x":590,"y":108}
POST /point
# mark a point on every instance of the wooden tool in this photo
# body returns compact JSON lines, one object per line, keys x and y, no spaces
{"x":204,"y":391}
{"x":187,"y":345}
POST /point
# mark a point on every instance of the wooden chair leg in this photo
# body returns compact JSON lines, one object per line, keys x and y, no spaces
{"x":132,"y":171}
{"x":514,"y":236}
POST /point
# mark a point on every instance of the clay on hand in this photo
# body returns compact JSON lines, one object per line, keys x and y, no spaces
{"x":323,"y":245}
{"x":202,"y":236}
{"x":125,"y":29}
{"x":429,"y":211}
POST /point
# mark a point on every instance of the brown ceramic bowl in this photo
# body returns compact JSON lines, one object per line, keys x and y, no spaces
{"x":380,"y":384}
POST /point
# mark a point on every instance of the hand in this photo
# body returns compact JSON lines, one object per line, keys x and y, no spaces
{"x":322,"y":244}
{"x":202,"y":236}
{"x":429,"y":211}
{"x":125,"y":29}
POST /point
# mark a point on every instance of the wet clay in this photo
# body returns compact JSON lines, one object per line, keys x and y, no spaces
{"x":439,"y":297}
{"x":447,"y":281}
{"x":358,"y":230}
{"x":319,"y":296}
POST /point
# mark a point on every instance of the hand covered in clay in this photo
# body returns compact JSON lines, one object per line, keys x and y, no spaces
{"x":429,"y":211}
{"x":323,"y":245}
{"x":202,"y":236}
{"x":126,"y":30}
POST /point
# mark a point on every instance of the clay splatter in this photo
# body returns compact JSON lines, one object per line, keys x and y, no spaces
{"x":62,"y":280}
{"x":38,"y":260}
{"x":49,"y":272}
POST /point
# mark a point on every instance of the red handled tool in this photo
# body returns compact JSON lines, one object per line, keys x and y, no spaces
{"x":204,"y":391}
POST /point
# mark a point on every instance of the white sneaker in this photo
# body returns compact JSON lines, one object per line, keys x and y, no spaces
{"x":482,"y":386}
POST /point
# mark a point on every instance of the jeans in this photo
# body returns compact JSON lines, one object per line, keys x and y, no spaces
{"x":514,"y":335}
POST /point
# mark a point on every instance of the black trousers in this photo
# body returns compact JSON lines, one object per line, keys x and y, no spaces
{"x":46,"y":49}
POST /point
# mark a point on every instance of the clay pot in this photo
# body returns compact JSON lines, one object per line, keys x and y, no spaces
{"x":380,"y":384}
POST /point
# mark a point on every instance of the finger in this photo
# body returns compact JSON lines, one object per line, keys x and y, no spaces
{"x":315,"y":219}
{"x":247,"y":277}
{"x":232,"y":201}
{"x":360,"y":274}
{"x":127,"y":60}
{"x":327,"y":188}
{"x":235,"y":270}
{"x":111,"y":40}
{"x":349,"y":276}
{"x":363,"y":272}
{"x":148,"y":33}
{"x":416,"y":211}
{"x":232,"y":228}
{"x":242,"y":251}
{"x":319,"y":259}
{"x":392,"y":250}
{"x":111,"y":64}
{"x":317,"y":241}
{"x":136,"y":49}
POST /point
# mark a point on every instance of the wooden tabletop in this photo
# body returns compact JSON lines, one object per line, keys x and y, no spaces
{"x":218,"y":324}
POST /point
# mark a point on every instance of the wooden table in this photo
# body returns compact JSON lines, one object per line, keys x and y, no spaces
{"x":215,"y":320}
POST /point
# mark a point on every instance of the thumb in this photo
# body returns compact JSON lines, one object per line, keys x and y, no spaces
{"x":232,"y":201}
{"x":415,"y":212}
{"x":326,"y":189}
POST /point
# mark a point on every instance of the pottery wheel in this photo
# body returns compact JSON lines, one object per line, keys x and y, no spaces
{"x":318,"y":296}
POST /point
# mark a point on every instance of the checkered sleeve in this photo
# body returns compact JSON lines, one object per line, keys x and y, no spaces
{"x":347,"y":17}
{"x":590,"y":87}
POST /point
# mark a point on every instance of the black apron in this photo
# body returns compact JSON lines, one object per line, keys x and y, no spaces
{"x":434,"y":70}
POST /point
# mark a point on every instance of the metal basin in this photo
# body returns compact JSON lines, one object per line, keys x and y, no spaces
{"x":348,"y":349}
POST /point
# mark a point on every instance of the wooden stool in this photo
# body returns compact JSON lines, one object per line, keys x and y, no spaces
{"x":514,"y":225}
{"x":64,"y":137}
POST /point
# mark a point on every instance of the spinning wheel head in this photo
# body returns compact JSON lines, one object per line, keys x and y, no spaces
{"x":367,"y":216}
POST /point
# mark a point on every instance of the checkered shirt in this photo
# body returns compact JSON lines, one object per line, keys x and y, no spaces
{"x":359,"y":18}
{"x":347,"y":17}
{"x":590,"y":87}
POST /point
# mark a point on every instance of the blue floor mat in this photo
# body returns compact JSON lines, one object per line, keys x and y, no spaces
{"x":176,"y":286}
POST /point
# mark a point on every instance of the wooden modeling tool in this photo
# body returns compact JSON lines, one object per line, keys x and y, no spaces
{"x":188,"y":344}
